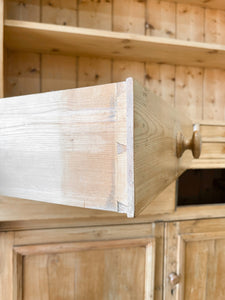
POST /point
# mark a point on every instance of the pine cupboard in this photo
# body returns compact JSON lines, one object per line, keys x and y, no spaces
{"x":176,"y":50}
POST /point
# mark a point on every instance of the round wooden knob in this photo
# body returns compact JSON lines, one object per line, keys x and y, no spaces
{"x":174,"y":278}
{"x":194,"y":144}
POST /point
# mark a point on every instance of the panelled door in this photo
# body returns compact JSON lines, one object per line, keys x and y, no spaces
{"x":112,"y":262}
{"x":195,"y":260}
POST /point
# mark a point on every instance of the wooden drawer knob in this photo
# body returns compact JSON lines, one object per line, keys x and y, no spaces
{"x":174,"y":278}
{"x":194,"y":144}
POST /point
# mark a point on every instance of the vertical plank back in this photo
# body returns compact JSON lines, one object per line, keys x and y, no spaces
{"x":23,"y":73}
{"x":213,"y":89}
{"x":27,"y":10}
{"x":59,"y":12}
{"x":128,"y":16}
{"x":97,"y":15}
{"x":189,"y":80}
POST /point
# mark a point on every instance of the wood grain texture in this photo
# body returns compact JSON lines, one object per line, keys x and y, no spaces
{"x":93,"y":71}
{"x":87,"y":233}
{"x":198,"y":254}
{"x":158,"y":233}
{"x":160,"y":18}
{"x":196,"y":265}
{"x":95,"y":14}
{"x":129,"y":16}
{"x":47,"y":38}
{"x":190,"y":21}
{"x":214,"y":105}
{"x":28,"y":10}
{"x":6,"y":269}
{"x":189,"y":95}
{"x":97,"y":261}
{"x":59,"y":12}
{"x":73,"y":266}
{"x":22,"y":73}
{"x":189,"y":80}
{"x":122,"y":69}
{"x":170,"y":260}
{"x":164,"y":203}
{"x":214,"y":26}
{"x":160,"y":79}
{"x":161,"y":146}
{"x":213,"y":141}
{"x":24,"y":214}
{"x":210,"y":4}
{"x":58,"y":72}
{"x":91,"y":274}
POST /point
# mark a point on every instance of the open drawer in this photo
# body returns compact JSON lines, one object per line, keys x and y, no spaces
{"x":110,"y":147}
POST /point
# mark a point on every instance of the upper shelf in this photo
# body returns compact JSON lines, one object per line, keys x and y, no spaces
{"x":48,"y":38}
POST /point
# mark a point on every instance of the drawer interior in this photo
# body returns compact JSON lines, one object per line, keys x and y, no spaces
{"x":201,"y":186}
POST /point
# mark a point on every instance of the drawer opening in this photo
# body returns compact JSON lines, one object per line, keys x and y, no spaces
{"x":201,"y":186}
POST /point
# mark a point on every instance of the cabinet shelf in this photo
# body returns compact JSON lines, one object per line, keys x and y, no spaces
{"x":48,"y":38}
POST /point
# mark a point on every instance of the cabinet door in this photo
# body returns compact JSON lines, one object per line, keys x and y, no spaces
{"x":195,"y":260}
{"x":110,"y":147}
{"x":117,"y":262}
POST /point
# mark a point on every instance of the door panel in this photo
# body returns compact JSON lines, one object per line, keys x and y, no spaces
{"x":109,"y":147}
{"x":102,"y":270}
{"x":204,"y":265}
{"x":112,"y":262}
{"x":198,"y":258}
